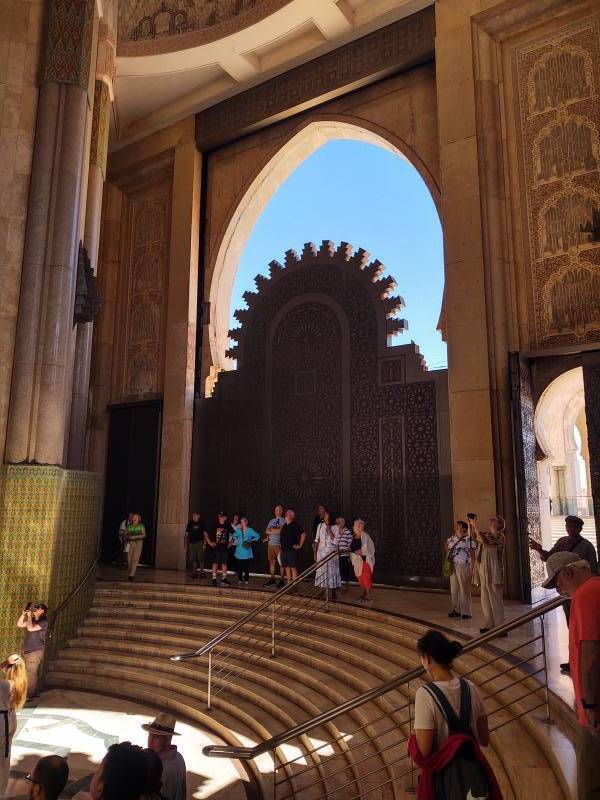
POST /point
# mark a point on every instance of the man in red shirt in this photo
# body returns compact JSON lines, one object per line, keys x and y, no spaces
{"x":572,"y":576}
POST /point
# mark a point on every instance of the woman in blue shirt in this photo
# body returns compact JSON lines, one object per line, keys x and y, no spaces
{"x":243,"y":538}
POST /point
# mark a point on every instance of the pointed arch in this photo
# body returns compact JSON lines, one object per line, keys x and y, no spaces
{"x":258,"y":191}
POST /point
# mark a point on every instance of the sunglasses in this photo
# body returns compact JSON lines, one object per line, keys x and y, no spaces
{"x":30,"y":779}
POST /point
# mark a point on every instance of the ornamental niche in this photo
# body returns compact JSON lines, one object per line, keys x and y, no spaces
{"x":323,"y":408}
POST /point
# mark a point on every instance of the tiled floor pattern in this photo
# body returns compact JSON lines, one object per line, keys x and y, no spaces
{"x":81,"y":726}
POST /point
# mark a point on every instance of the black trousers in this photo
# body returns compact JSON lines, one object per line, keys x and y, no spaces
{"x":244,"y":565}
{"x":346,"y":571}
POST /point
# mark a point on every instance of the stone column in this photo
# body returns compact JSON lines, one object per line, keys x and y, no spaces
{"x":21,"y":25}
{"x":105,"y":327}
{"x":468,"y":368}
{"x":76,"y":456}
{"x":36,"y":424}
{"x":180,"y":346}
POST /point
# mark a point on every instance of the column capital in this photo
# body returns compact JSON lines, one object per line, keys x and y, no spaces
{"x":68,"y":43}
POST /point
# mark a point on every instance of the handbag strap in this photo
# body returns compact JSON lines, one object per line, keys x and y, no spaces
{"x":449,"y":552}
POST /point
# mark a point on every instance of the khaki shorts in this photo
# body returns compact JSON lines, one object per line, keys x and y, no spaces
{"x":273,"y":551}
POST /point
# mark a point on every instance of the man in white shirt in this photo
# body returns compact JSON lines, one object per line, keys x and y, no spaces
{"x":160,"y":734}
{"x":123,"y":539}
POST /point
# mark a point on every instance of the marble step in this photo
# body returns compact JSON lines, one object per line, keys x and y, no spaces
{"x":323,"y":657}
{"x":250,"y":598}
{"x":270,"y":714}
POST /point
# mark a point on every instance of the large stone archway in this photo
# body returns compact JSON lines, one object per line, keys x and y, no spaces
{"x":254,"y":196}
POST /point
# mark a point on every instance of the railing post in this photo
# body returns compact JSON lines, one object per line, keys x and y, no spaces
{"x":274,"y":774}
{"x":209,"y":680}
{"x":548,"y":719}
{"x":273,"y":631}
{"x":327,"y":587}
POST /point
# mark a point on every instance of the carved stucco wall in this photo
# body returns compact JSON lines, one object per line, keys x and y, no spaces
{"x":155,"y":26}
{"x":144,"y":297}
{"x":557,"y":117}
{"x":141,"y":295}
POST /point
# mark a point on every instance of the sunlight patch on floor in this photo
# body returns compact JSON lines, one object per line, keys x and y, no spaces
{"x":81,"y":726}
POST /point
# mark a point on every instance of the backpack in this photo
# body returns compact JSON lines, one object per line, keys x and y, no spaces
{"x":464,"y":778}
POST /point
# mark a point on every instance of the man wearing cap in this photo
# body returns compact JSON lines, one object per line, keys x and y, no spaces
{"x":572,"y":576}
{"x":160,"y":733}
{"x":573,"y":542}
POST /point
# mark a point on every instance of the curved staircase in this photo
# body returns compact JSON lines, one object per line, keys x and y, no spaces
{"x":323,"y":658}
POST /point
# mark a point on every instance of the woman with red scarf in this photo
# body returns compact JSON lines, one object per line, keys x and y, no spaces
{"x":450,"y":724}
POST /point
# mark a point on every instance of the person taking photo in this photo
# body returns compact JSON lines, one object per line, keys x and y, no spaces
{"x":34,"y":620}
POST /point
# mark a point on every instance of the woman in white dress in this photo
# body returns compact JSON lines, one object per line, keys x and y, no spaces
{"x":327,"y":539}
{"x":13,"y":693}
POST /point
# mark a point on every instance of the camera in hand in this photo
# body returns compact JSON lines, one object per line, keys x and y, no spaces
{"x":28,"y":606}
{"x":471,"y":515}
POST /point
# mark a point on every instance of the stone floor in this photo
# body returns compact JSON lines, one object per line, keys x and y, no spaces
{"x":81,"y":726}
{"x":430,"y":606}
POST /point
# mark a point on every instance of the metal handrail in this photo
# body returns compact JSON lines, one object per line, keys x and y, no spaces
{"x":217,"y":640}
{"x":58,"y":610}
{"x":248,"y":753}
{"x":75,"y":591}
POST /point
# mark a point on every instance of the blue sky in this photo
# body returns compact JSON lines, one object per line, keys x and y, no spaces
{"x":362,"y":194}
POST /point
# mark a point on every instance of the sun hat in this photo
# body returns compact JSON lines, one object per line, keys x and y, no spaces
{"x":162,"y":725}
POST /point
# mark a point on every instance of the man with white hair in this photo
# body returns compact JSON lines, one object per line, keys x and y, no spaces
{"x":573,"y":578}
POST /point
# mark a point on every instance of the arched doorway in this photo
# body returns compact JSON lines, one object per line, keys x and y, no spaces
{"x":556,"y":438}
{"x":564,"y":473}
{"x":247,"y":208}
{"x":385,"y":457}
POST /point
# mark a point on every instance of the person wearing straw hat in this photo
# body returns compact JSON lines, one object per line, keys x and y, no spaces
{"x":160,"y":733}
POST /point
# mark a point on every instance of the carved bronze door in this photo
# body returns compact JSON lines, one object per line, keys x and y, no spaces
{"x":591,"y":384}
{"x":306,"y":410}
{"x":524,"y":453}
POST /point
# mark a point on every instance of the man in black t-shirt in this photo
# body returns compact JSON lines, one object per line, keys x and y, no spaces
{"x":220,"y":538}
{"x":194,"y":544}
{"x":321,"y":509}
{"x":293,"y":537}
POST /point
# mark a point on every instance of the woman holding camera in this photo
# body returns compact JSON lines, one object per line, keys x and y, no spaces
{"x":490,"y":565}
{"x":35,"y":622}
{"x":13,"y":693}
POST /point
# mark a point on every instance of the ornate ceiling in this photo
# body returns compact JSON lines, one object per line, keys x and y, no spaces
{"x":158,"y":26}
{"x":178,"y":57}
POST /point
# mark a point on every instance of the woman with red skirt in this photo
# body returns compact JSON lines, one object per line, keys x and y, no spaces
{"x":363,"y":558}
